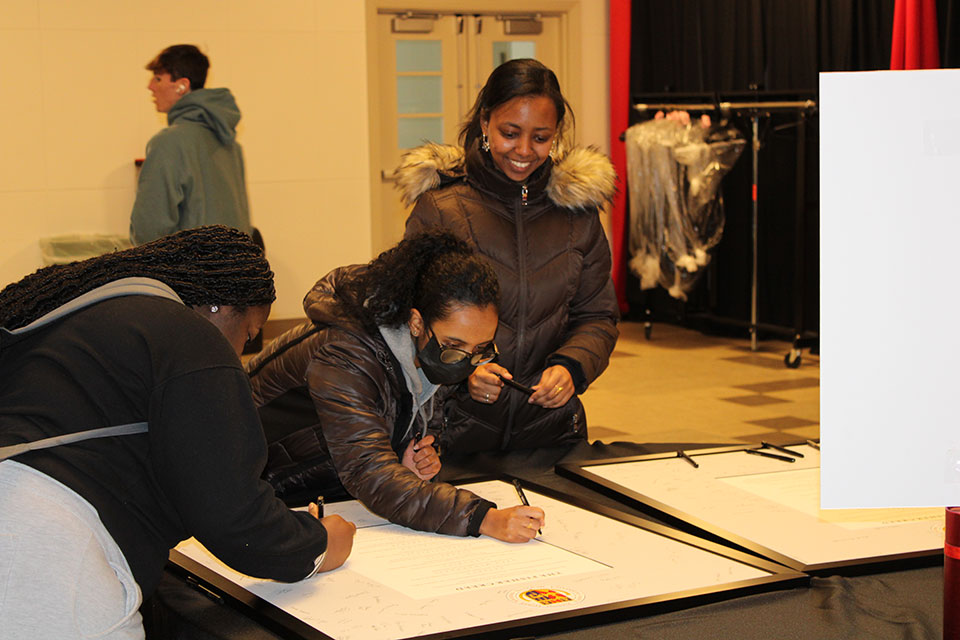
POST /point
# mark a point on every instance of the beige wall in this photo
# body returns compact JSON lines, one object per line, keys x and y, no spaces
{"x":75,"y":113}
{"x":593,"y":111}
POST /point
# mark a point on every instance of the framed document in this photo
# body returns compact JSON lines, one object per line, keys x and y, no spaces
{"x":590,"y":565}
{"x":767,"y":503}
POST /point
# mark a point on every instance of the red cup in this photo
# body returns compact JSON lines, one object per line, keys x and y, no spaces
{"x":951,"y":576}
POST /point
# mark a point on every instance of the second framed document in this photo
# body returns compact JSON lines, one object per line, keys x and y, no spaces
{"x":590,"y":565}
{"x":767,"y":503}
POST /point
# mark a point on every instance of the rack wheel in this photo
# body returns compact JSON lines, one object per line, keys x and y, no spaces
{"x":792,"y":359}
{"x":647,"y":329}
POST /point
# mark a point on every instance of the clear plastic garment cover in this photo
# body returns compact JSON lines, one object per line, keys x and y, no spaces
{"x":674,"y":169}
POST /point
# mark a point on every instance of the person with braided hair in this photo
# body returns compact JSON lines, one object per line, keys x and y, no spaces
{"x":146,"y":338}
{"x":351,"y":401}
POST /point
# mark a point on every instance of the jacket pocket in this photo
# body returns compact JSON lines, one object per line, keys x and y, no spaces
{"x":536,"y":427}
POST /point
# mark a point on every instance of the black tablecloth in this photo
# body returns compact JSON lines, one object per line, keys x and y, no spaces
{"x":903,"y":604}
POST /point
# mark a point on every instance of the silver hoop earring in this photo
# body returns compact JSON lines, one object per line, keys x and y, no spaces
{"x":214,"y":308}
{"x":484,"y":142}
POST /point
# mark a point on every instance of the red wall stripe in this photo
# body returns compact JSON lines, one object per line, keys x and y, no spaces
{"x":619,"y":119}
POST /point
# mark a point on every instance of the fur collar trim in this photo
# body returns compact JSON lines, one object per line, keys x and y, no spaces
{"x":582,"y":178}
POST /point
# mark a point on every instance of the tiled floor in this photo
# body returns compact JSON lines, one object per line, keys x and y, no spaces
{"x":684,"y":386}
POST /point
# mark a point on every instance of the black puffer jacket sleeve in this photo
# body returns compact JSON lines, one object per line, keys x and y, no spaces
{"x":350,"y":395}
{"x":424,"y":217}
{"x":592,"y":326}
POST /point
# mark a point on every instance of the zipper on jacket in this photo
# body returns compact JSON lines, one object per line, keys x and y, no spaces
{"x":522,"y":306}
{"x":522,"y":277}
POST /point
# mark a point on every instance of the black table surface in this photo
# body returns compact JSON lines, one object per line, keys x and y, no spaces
{"x":906,"y":603}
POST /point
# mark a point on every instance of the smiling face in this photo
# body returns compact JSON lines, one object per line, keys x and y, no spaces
{"x":167,"y":91}
{"x":521,"y":132}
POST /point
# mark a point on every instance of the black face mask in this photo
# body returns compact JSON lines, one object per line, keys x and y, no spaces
{"x":439,"y":372}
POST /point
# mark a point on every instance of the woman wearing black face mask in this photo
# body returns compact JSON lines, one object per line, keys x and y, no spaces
{"x":351,"y":401}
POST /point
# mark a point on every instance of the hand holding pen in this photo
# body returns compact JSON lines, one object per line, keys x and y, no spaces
{"x":520,"y":523}
{"x":523,"y":500}
{"x":485,"y":383}
{"x":513,"y":384}
{"x":340,"y":534}
{"x":554,"y":389}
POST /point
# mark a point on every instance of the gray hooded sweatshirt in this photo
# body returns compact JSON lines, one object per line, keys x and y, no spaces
{"x":193,"y":173}
{"x":401,"y":344}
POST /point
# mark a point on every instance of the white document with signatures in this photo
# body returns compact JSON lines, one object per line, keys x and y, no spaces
{"x":403,"y":583}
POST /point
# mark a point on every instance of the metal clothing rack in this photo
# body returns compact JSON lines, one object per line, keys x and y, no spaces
{"x":751,"y":104}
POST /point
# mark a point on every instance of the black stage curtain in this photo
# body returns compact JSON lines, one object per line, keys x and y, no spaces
{"x":765,"y":47}
{"x":948,"y":21}
{"x":736,"y":45}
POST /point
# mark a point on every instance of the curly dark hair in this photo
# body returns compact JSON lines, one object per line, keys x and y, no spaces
{"x":431,"y":272}
{"x":206,"y":265}
{"x":514,"y":79}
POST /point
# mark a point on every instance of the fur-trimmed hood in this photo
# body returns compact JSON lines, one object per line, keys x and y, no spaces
{"x":581,"y":178}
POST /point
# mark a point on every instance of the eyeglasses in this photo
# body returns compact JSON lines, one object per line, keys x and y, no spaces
{"x":453,"y":355}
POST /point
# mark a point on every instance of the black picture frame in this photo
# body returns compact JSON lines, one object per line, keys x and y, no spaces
{"x":288,"y":626}
{"x":694,"y":525}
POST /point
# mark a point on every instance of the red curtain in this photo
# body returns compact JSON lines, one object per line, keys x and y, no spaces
{"x":619,"y":120}
{"x":915,"y":44}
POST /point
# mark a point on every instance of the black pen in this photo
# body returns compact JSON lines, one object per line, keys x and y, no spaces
{"x":516,"y":385}
{"x":523,"y":497}
{"x":775,"y":456}
{"x":783,"y":449}
{"x":815,"y":445}
{"x":682,"y":454}
{"x":319,"y":505}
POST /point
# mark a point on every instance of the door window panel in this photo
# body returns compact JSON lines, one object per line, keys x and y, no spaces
{"x":419,"y":55}
{"x":420,"y":107}
{"x":419,"y":94}
{"x":413,"y":132}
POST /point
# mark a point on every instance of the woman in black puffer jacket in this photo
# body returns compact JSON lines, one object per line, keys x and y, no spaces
{"x":348,"y":398}
{"x":532,"y":209}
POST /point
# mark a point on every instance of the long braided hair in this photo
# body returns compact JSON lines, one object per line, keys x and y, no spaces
{"x":430,"y":272}
{"x":206,"y":265}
